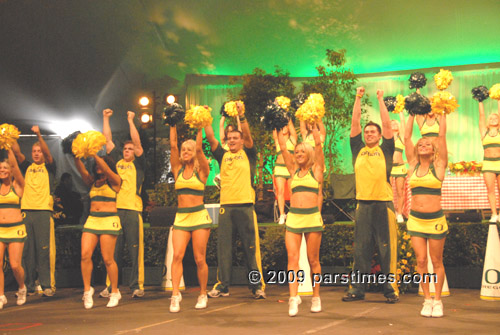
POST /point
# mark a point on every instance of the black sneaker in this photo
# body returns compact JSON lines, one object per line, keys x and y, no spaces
{"x":392,"y":298}
{"x":215,"y":293}
{"x":352,"y":297}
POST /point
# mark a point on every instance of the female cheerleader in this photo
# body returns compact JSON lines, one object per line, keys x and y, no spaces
{"x":399,"y":172}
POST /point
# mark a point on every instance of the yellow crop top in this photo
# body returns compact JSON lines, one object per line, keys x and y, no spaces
{"x":10,"y":200}
{"x":398,"y":145}
{"x":491,"y":141}
{"x":102,"y":193}
{"x":306,"y":183}
{"x":289,"y":146}
{"x":193,"y":185}
{"x":430,"y":131}
{"x":427,"y":184}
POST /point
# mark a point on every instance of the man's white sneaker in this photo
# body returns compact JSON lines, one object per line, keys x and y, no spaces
{"x":293,"y":305}
{"x":202,"y":302}
{"x":114,"y":298}
{"x":427,"y":308}
{"x":21,"y":296}
{"x":175,"y":303}
{"x":437,"y":309}
{"x":3,"y":301}
{"x":316,"y":305}
{"x":138,"y":293}
{"x":282,"y":219}
{"x":88,"y":301}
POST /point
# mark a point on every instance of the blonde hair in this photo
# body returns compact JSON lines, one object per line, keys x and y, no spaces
{"x":190,"y":144}
{"x":489,"y":118}
{"x":434,"y":148}
{"x":309,"y":150}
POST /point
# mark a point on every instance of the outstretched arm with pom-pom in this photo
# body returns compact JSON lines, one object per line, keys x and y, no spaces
{"x":402,"y":125}
{"x":356,"y":113}
{"x":409,"y":146}
{"x":106,"y":129}
{"x":86,"y":176}
{"x":17,"y":153}
{"x":43,"y":145}
{"x":204,"y":169}
{"x":245,"y":129}
{"x":134,"y":134}
{"x":319,"y":158}
{"x":287,"y":157}
{"x":209,"y":133}
{"x":442,"y":158}
{"x":384,"y":116}
{"x":16,"y":173}
{"x":292,"y":132}
{"x":222,"y":134}
{"x":113,"y":178}
{"x":174,"y":151}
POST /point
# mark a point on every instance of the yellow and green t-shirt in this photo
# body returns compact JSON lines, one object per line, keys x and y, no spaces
{"x":39,"y":185}
{"x":237,"y":171}
{"x":132,"y":175}
{"x":372,"y":169}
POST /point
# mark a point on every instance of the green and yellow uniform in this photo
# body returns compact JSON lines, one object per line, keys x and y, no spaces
{"x":399,"y":170}
{"x":491,"y":164}
{"x":304,"y":220}
{"x":196,"y":217}
{"x":15,"y":231}
{"x":237,"y":198}
{"x":129,"y":204}
{"x":375,"y":219}
{"x":280,"y":169}
{"x":39,"y":253}
{"x":430,"y":131}
{"x":426,"y":225}
{"x":103,"y":223}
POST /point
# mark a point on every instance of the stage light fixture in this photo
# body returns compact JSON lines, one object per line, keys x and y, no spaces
{"x":146,"y":118}
{"x":170,"y":99}
{"x":144,"y":102}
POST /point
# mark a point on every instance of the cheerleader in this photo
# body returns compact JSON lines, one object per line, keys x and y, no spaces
{"x":192,"y":221}
{"x":12,"y":229}
{"x":399,"y":172}
{"x":103,"y":225}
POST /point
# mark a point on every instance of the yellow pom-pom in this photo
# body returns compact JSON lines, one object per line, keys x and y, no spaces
{"x":88,"y":144}
{"x":8,"y":135}
{"x":400,"y":104}
{"x":198,"y":117}
{"x":312,"y":110}
{"x":495,"y":92}
{"x":231,"y":108}
{"x":443,"y":79}
{"x":283,"y":102}
{"x":443,"y":102}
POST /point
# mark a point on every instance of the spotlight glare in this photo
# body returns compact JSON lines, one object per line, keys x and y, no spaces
{"x":146,"y":118}
{"x":170,"y":99}
{"x":144,"y":101}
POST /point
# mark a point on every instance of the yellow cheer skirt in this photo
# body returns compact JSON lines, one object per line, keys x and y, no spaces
{"x":491,"y":165}
{"x":427,"y":225}
{"x":12,"y":232}
{"x":281,"y":171}
{"x":304,"y":220}
{"x":192,"y":218}
{"x":103,"y":223}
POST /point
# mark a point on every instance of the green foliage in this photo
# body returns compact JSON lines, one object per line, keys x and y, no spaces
{"x":338,"y":87}
{"x":337,"y":245}
{"x":260,"y":88}
{"x":272,"y":248}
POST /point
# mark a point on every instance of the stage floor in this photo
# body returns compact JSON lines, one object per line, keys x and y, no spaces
{"x":240,"y":314}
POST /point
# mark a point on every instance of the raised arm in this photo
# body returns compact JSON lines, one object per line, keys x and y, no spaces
{"x":245,"y":129}
{"x":287,"y":157}
{"x":303,"y":130}
{"x":174,"y":151}
{"x":106,"y":129}
{"x":322,"y":130}
{"x":16,"y":173}
{"x":17,"y":152}
{"x":209,"y":133}
{"x":86,"y":177}
{"x":409,"y":147}
{"x":402,"y":125}
{"x":483,"y":128}
{"x":384,"y":116}
{"x":134,"y":134}
{"x":200,"y":155}
{"x":113,"y":178}
{"x":238,"y":122}
{"x":222,"y":133}
{"x":292,"y":132}
{"x":356,"y":113}
{"x":319,"y":158}
{"x":43,"y":145}
{"x":442,"y":159}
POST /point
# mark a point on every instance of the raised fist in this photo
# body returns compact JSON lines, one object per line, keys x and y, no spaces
{"x":35,"y":129}
{"x":130,"y":115}
{"x":360,"y":91}
{"x":107,"y":112}
{"x":380,"y":94}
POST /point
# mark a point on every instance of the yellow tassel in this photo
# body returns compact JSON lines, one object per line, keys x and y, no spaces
{"x":400,"y":104}
{"x":198,"y":117}
{"x":312,"y":110}
{"x":88,"y":144}
{"x":443,"y":79}
{"x":8,"y":135}
{"x":443,"y":102}
{"x":283,"y":102}
{"x":495,"y":92}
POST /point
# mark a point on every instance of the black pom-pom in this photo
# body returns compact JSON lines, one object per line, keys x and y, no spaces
{"x":417,"y":80}
{"x":223,"y":110}
{"x":274,"y":117}
{"x":173,"y":113}
{"x":298,"y":101}
{"x":67,"y":143}
{"x":390,"y":103}
{"x":480,"y":93}
{"x":417,"y":104}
